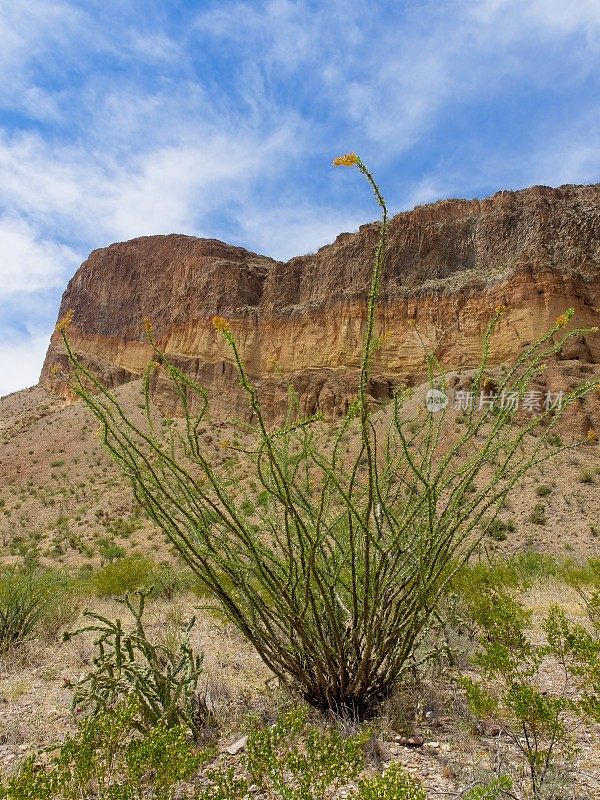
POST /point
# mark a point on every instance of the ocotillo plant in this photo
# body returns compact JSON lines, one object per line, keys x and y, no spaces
{"x":335,"y":576}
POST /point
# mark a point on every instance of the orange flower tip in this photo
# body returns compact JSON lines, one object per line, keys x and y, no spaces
{"x":349,"y":160}
{"x":221,"y":324}
{"x":592,"y":436}
{"x":65,"y":321}
{"x":565,"y":318}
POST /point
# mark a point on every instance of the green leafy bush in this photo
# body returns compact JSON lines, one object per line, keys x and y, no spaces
{"x":294,"y":761}
{"x":538,"y":514}
{"x":394,"y":784}
{"x":134,"y":573}
{"x":166,"y":581}
{"x":163,"y":680}
{"x":511,"y":690}
{"x":108,"y":760}
{"x":498,"y":529}
{"x":110,"y":551}
{"x":125,"y":575}
{"x":492,"y":790}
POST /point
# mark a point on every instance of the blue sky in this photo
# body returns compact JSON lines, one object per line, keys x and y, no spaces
{"x":220,"y":119}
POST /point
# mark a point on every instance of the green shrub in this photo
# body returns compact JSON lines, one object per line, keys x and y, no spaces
{"x":538,"y":515}
{"x":294,"y":761}
{"x":126,"y":575}
{"x":123,"y":528}
{"x":108,"y":760}
{"x":30,"y":603}
{"x":493,"y":790}
{"x":519,"y":571}
{"x":221,"y":784}
{"x":162,"y":679}
{"x":394,"y":784}
{"x":539,"y":723}
{"x":166,"y":581}
{"x":247,"y":507}
{"x":337,"y":587}
{"x":543,"y":490}
{"x":497,"y":529}
{"x":110,"y":551}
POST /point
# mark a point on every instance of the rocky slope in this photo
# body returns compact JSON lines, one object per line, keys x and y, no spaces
{"x":536,"y":251}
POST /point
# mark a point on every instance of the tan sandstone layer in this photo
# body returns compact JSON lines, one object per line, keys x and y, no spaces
{"x":535,"y":251}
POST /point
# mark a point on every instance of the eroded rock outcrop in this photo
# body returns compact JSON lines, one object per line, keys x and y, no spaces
{"x":536,"y":251}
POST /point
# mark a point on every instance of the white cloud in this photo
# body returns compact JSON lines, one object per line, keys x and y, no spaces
{"x":29,"y":263}
{"x":20,"y":362}
{"x":286,"y":231}
{"x":98,"y":196}
{"x":554,"y":15}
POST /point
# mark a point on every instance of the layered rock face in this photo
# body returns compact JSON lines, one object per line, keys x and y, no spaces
{"x":449,"y":264}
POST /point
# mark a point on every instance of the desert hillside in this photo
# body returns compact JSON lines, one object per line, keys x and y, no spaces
{"x":535,"y":251}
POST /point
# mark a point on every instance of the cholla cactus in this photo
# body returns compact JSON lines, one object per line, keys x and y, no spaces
{"x":336,"y":574}
{"x":163,"y":681}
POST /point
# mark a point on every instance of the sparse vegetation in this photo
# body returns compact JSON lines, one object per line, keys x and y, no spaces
{"x":105,"y":759}
{"x":538,"y":722}
{"x":499,"y":529}
{"x":538,"y":514}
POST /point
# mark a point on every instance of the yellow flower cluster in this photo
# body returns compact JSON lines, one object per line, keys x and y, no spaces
{"x":65,"y":321}
{"x":349,"y":160}
{"x":148,"y":327}
{"x":564,"y":318}
{"x":500,"y":309}
{"x":225,"y":443}
{"x":592,"y":436}
{"x":220,"y":324}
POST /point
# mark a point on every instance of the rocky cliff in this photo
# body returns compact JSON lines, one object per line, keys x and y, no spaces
{"x":536,"y":251}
